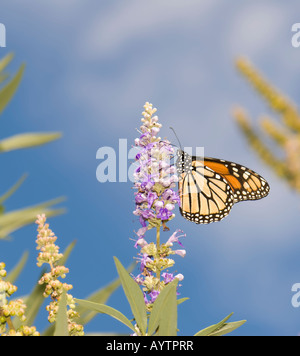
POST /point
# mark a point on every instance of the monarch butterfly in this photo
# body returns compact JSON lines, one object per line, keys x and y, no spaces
{"x":208,"y":187}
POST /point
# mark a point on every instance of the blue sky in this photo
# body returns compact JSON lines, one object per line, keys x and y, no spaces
{"x":90,"y":67}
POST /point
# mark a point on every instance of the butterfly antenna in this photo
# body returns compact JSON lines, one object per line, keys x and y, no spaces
{"x":176,"y":137}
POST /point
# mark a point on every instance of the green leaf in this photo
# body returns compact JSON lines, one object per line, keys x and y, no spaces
{"x":14,"y":220}
{"x":220,"y":328}
{"x":4,"y":62}
{"x":66,"y":253}
{"x":181,"y":300}
{"x":3,"y":77}
{"x":207,"y":331}
{"x":164,"y":312}
{"x":61,"y":323}
{"x":13,"y":189}
{"x":134,"y":296}
{"x":8,"y":91}
{"x":27,"y":140}
{"x":228,"y":327}
{"x":100,"y":296}
{"x":210,"y":329}
{"x":33,"y":303}
{"x":14,"y":274}
{"x":105,"y":309}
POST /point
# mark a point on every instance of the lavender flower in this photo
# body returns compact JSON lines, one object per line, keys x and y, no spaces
{"x":168,"y":277}
{"x":154,"y":178}
{"x":155,"y":200}
{"x":175,"y":238}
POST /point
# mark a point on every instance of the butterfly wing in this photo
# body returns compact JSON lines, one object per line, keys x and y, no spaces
{"x":245,"y":183}
{"x":205,"y":196}
{"x":209,"y":187}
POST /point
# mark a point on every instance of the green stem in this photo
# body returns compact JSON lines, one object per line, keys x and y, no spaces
{"x":158,"y":248}
{"x":10,"y":324}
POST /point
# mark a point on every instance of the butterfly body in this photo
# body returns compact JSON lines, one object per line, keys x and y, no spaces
{"x":209,"y":187}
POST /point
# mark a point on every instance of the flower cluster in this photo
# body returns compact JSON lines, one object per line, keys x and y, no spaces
{"x":154,"y":178}
{"x":154,"y":259}
{"x":284,"y":134}
{"x":54,"y":287}
{"x":14,"y":308}
{"x":276,"y":100}
{"x":155,"y":201}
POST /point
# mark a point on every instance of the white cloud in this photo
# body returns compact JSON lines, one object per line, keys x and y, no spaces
{"x":137,"y":19}
{"x":256,"y":28}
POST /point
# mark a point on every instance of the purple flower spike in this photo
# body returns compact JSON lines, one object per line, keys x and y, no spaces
{"x":154,"y":177}
{"x":155,"y":201}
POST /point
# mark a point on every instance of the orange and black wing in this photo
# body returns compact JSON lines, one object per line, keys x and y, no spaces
{"x":205,"y":196}
{"x":245,"y":183}
{"x":209,"y":187}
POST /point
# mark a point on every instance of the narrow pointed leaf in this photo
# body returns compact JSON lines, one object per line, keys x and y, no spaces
{"x":181,"y":300}
{"x":227,"y":328}
{"x":15,"y":272}
{"x":27,"y":140}
{"x":3,"y":77}
{"x":100,"y":296}
{"x":67,"y":253}
{"x":33,"y":303}
{"x":4,"y":62}
{"x":13,"y":189}
{"x":8,"y":91}
{"x":158,"y":307}
{"x":16,"y":219}
{"x":105,"y":309}
{"x":210,"y":329}
{"x":61,"y":323}
{"x":25,"y":218}
{"x":220,"y":328}
{"x":134,"y":296}
{"x":164,"y":312}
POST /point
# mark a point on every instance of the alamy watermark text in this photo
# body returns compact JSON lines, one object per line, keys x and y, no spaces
{"x":2,"y":35}
{"x":296,"y":36}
